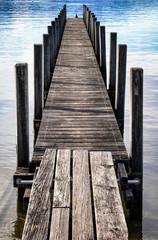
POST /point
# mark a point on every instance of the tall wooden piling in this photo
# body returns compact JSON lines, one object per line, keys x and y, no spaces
{"x":102,"y":45}
{"x":136,"y":121}
{"x":46,"y":64}
{"x":57,"y":34}
{"x":93,"y":35}
{"x":54,"y":44}
{"x":87,"y":18}
{"x":97,"y":48}
{"x":84,"y":12}
{"x":21,"y":76}
{"x":120,"y":86}
{"x":112,"y":67}
{"x":38,"y":88}
{"x":50,"y":32}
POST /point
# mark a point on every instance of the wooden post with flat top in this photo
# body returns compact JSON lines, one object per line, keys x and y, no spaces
{"x":22,"y":106}
{"x":38,"y":88}
{"x":120,"y":86}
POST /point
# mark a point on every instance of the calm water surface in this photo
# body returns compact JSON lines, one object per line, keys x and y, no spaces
{"x":22,"y":24}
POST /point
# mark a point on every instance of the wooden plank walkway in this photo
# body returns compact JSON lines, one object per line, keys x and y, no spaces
{"x":77,"y":142}
{"x":78,"y":113}
{"x":89,"y":208}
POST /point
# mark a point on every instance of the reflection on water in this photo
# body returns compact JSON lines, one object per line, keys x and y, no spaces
{"x":22,"y":23}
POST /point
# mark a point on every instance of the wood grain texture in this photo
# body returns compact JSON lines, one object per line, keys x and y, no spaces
{"x":78,"y":104}
{"x":60,"y":224}
{"x":82,"y":225}
{"x":109,"y":216}
{"x":61,"y":196}
{"x":38,"y":213}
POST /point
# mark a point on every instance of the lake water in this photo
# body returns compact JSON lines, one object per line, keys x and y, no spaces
{"x":22,"y":23}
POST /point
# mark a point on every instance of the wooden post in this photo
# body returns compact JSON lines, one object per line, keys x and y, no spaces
{"x":59,"y":27}
{"x":46,"y":64}
{"x":91,"y":32}
{"x":120,"y":86}
{"x":136,"y":119}
{"x":87,"y":18}
{"x":84,"y":9}
{"x":97,"y":49}
{"x":38,"y":88}
{"x":50,"y":32}
{"x":57,"y":33}
{"x":53,"y":44}
{"x":112,"y":70}
{"x":89,"y":22}
{"x":93,"y":37}
{"x":102,"y":52}
{"x":64,"y":7}
{"x":22,"y":105}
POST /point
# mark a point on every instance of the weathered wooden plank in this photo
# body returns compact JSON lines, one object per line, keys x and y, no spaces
{"x":60,"y":224}
{"x":37,"y":218}
{"x":61,"y":196}
{"x":82,"y":225}
{"x":109,"y":216}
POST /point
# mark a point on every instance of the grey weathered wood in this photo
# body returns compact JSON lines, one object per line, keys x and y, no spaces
{"x":26,"y":198}
{"x":109,"y":216}
{"x":38,"y":213}
{"x":38,"y":88}
{"x":93,"y":35}
{"x":54,"y":45}
{"x":50,"y":32}
{"x":102,"y":46}
{"x":136,"y":121}
{"x":84,"y":12}
{"x":59,"y":27}
{"x":97,"y":47}
{"x":60,"y":224}
{"x":78,"y":113}
{"x":112,"y":67}
{"x":61,"y":196}
{"x":22,"y":109}
{"x":120,"y":86}
{"x":82,"y":225}
{"x":46,"y":63}
{"x":122,"y":176}
{"x":57,"y":34}
{"x":87,"y":13}
{"x":89,"y":22}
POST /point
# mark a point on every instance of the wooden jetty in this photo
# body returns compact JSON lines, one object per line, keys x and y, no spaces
{"x":78,"y":139}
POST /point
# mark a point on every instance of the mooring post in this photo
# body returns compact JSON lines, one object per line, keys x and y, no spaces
{"x":59,"y":27}
{"x":57,"y":33}
{"x":84,"y":9}
{"x":103,"y":52}
{"x":87,"y":18}
{"x":93,"y":37}
{"x":50,"y":32}
{"x":22,"y":106}
{"x":64,"y":7}
{"x":86,"y":13}
{"x":89,"y":22}
{"x":92,"y":16}
{"x":46,"y":64}
{"x":38,"y":89}
{"x":112,"y":67}
{"x":53,"y":44}
{"x":136,"y":119}
{"x":97,"y":48}
{"x":120,"y":86}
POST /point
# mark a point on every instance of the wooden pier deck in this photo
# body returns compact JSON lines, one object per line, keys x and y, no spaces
{"x":78,"y":112}
{"x":77,"y":144}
